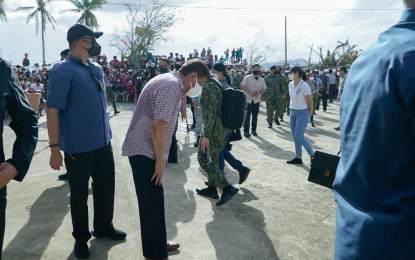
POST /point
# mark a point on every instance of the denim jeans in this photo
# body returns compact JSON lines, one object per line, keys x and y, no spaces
{"x":298,"y":123}
{"x":226,"y":155}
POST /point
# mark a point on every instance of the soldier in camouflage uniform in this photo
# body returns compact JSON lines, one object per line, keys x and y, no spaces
{"x":212,"y":139}
{"x":237,"y":80}
{"x":273,"y":96}
{"x":286,"y":97}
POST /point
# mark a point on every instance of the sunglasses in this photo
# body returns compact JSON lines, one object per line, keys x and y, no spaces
{"x":98,"y":81}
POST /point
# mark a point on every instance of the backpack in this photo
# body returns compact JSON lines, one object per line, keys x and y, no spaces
{"x":233,"y":106}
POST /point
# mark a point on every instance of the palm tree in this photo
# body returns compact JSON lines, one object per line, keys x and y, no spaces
{"x":86,"y":8}
{"x":3,"y":16}
{"x":45,"y":16}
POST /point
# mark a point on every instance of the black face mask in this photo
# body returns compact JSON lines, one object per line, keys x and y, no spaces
{"x":256,"y":72}
{"x":95,"y":50}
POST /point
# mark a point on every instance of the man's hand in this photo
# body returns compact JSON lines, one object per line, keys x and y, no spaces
{"x":183,"y":114}
{"x":55,"y":160}
{"x":159,"y":171}
{"x":7,"y":172}
{"x":204,"y":144}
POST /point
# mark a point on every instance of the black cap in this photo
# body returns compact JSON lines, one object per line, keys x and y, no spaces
{"x":273,"y":67}
{"x":79,"y":30}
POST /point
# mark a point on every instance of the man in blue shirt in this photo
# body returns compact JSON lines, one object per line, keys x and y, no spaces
{"x":375,"y":182}
{"x":78,"y":124}
{"x":324,"y":90}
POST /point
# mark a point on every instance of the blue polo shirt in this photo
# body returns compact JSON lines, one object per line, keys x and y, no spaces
{"x":83,"y":118}
{"x":375,"y":181}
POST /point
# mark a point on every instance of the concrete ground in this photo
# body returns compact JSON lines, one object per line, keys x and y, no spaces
{"x":277,"y":213}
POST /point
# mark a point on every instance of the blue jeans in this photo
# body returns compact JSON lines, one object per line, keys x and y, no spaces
{"x":298,"y":123}
{"x":226,"y":155}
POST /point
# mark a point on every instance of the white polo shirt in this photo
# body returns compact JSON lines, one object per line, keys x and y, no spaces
{"x":254,"y":85}
{"x":298,"y":93}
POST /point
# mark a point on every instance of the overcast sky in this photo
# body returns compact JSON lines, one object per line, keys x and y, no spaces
{"x":217,"y":24}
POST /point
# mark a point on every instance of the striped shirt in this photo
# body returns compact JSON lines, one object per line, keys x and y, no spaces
{"x":160,"y":99}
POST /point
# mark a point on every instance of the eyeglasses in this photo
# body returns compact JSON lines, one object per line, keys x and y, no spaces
{"x":88,"y":40}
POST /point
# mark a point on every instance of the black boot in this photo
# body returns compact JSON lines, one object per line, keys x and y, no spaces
{"x":197,"y":141}
{"x":296,"y":160}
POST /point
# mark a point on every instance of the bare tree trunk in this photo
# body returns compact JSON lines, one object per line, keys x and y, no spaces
{"x":43,"y":41}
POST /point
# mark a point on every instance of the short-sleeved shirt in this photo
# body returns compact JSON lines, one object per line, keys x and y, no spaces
{"x":375,"y":178}
{"x":253,"y":84}
{"x":160,"y":99}
{"x":297,"y":94}
{"x":332,"y":79}
{"x":83,"y":115}
{"x":34,"y":86}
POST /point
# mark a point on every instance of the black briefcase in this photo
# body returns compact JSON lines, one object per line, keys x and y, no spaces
{"x":323,"y":169}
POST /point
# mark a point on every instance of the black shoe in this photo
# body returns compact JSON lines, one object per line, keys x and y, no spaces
{"x":247,"y":135}
{"x":254,"y":133}
{"x":277,"y":122}
{"x":337,"y":128}
{"x":228,"y":192}
{"x":193,"y":126}
{"x":313,"y":125}
{"x":269,"y":125}
{"x":196,"y":144}
{"x":243,"y":174}
{"x":228,"y":147}
{"x":81,"y":250}
{"x":281,"y":119}
{"x":114,"y":234}
{"x":116,"y":112}
{"x":63,"y":177}
{"x":210,"y":192}
{"x":295,"y":161}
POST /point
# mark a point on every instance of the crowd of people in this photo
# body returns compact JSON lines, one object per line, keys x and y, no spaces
{"x":374,"y":183}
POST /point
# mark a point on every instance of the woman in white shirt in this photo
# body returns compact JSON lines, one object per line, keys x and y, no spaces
{"x":301,"y":106}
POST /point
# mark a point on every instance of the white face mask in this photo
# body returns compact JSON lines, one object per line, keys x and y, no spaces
{"x":194,"y":91}
{"x":320,"y":72}
{"x":338,"y":74}
{"x":311,"y":78}
{"x":291,"y":76}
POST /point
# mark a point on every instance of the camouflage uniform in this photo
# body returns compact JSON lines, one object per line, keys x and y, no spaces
{"x":273,"y":96}
{"x":286,"y":104}
{"x":211,"y":102}
{"x":237,"y":81}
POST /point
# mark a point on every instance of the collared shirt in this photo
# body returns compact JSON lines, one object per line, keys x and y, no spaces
{"x":160,"y":99}
{"x":298,"y":93}
{"x":83,"y":116}
{"x":332,"y":79}
{"x":254,"y":85}
{"x":375,"y":179}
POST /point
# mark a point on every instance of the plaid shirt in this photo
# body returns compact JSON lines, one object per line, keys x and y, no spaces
{"x":160,"y":99}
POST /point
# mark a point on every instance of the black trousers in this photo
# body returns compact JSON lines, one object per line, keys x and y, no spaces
{"x":324,"y":98}
{"x":98,"y":164}
{"x":3,"y":203}
{"x":173,"y":147}
{"x":254,"y":110}
{"x":151,"y":208}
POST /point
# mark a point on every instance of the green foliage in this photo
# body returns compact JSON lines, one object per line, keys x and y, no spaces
{"x":86,"y":8}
